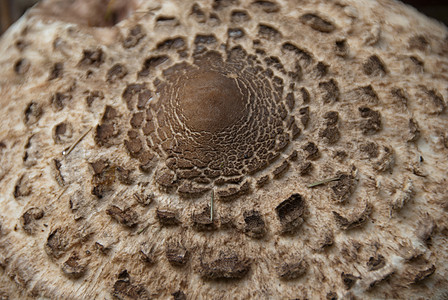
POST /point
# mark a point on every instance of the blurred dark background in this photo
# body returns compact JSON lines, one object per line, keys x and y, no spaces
{"x":437,"y":9}
{"x":11,"y":10}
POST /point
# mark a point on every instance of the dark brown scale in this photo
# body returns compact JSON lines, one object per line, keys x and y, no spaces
{"x":348,"y":280}
{"x":56,"y":170}
{"x":376,"y":262}
{"x":331,"y":118}
{"x":179,"y":295}
{"x":137,"y":120}
{"x":127,"y":217}
{"x":304,"y":116}
{"x":59,"y":100}
{"x":344,"y":187}
{"x":267,"y":6}
{"x":74,"y":267}
{"x":295,"y":130}
{"x":167,"y":217}
{"x":418,"y":42}
{"x":124,"y":288}
{"x":221,"y":4}
{"x":305,"y":168}
{"x":353,"y":221}
{"x":423,"y":274}
{"x":414,"y":130}
{"x":92,"y":96}
{"x":374,"y":66}
{"x":332,"y":296}
{"x":280,"y":170}
{"x":438,"y":104}
{"x":292,"y":269}
{"x":22,"y":66}
{"x":151,"y":63}
{"x":262,"y":181}
{"x":146,"y":161}
{"x":115,"y":73}
{"x":418,"y":62}
{"x":124,"y":175}
{"x":330,"y":134}
{"x":317,"y":23}
{"x":165,"y":179}
{"x":297,"y":73}
{"x":321,"y":69}
{"x":311,"y":151}
{"x":370,"y":149}
{"x":144,"y":97}
{"x":229,"y":266}
{"x":198,"y":13}
{"x":330,"y":91}
{"x":255,"y":226}
{"x":102,"y":183}
{"x":177,"y":255}
{"x":33,"y":113}
{"x":214,"y":19}
{"x":202,"y":221}
{"x":109,"y":114}
{"x":171,"y":44}
{"x":372,"y":122}
{"x":29,"y":219}
{"x":368,"y":94}
{"x":400,"y":95}
{"x":238,"y":16}
{"x":61,"y":132}
{"x":130,"y":91}
{"x":290,"y":101}
{"x":167,"y":21}
{"x":290,"y":213}
{"x":268,"y":32}
{"x":235,"y":33}
{"x":22,"y":188}
{"x":232,"y":192}
{"x":134,"y":36}
{"x":93,"y":58}
{"x":104,"y":133}
{"x":341,"y":48}
{"x":300,"y":53}
{"x":205,"y":39}
{"x":57,"y":71}
{"x":58,"y":243}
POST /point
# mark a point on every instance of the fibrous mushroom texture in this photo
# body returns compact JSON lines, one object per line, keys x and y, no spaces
{"x":226,"y":149}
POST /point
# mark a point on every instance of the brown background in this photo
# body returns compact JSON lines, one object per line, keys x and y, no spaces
{"x":11,"y":10}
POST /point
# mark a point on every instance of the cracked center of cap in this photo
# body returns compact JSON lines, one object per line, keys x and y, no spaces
{"x":210,"y":101}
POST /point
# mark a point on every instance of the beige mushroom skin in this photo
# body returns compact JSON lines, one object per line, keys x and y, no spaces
{"x":232,"y":149}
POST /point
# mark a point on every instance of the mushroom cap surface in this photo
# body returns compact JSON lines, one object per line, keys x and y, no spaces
{"x":224,"y":149}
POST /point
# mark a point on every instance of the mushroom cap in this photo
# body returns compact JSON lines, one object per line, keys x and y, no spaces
{"x":225,"y":149}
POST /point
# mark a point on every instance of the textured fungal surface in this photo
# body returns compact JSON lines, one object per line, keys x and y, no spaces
{"x":225,"y":149}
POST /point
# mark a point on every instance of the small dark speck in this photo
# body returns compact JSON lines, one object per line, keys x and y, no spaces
{"x":422,"y":159}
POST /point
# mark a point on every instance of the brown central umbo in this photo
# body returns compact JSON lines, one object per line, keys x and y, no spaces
{"x":210,"y":101}
{"x":215,"y":121}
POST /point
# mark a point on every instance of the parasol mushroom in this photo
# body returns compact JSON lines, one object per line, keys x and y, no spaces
{"x":225,"y":149}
